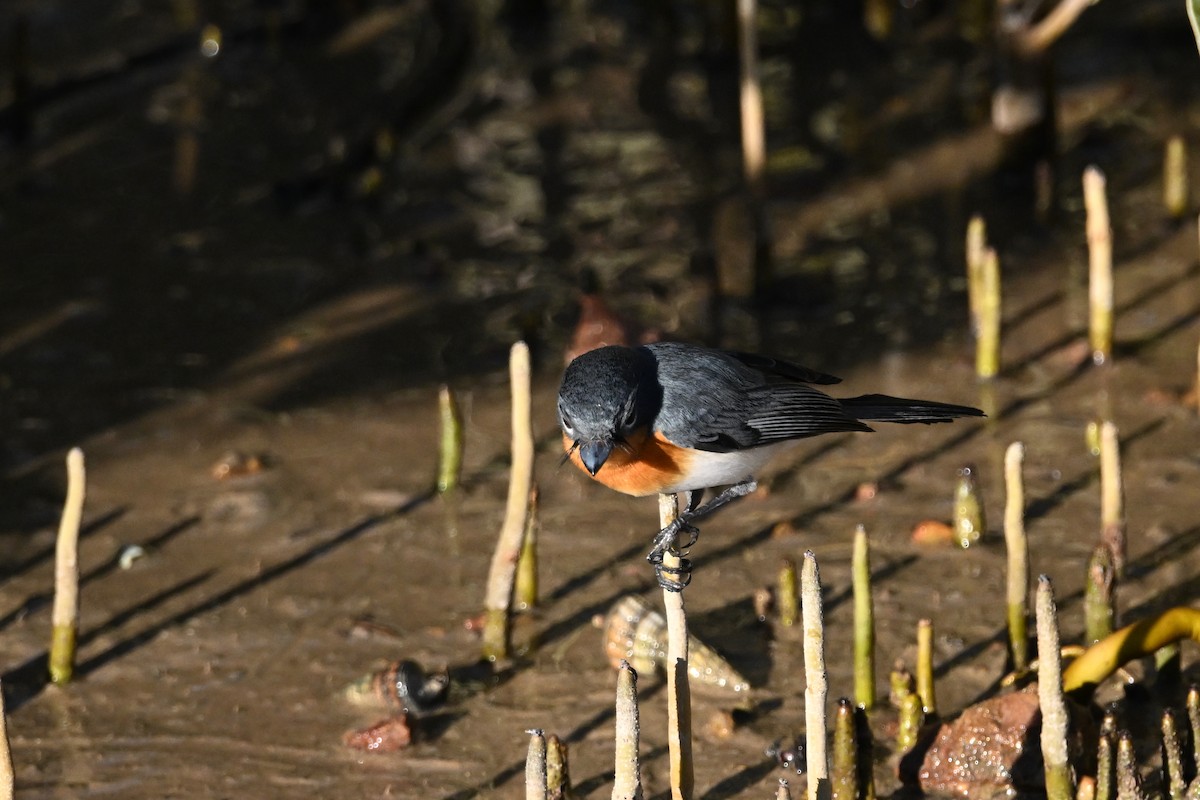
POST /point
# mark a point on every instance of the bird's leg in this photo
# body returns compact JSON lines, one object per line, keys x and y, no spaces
{"x":675,"y":579}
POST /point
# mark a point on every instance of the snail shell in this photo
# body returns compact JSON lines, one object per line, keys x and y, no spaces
{"x":401,"y":685}
{"x":636,"y":633}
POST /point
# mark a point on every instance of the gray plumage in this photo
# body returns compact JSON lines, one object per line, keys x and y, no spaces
{"x":718,"y":401}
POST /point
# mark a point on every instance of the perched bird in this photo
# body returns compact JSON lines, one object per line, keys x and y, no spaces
{"x":673,"y":417}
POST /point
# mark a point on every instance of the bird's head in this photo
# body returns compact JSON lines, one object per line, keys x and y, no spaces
{"x":603,"y":402}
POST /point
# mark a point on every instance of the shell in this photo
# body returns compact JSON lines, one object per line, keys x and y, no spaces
{"x":636,"y":633}
{"x":401,"y":685}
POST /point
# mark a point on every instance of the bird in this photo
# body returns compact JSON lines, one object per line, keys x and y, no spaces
{"x":673,"y":417}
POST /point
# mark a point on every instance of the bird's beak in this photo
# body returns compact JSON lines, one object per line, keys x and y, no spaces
{"x":594,"y":454}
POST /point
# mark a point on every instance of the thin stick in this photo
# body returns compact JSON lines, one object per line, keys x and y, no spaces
{"x":925,"y":667}
{"x":911,"y":719}
{"x":1017,"y":548}
{"x":1038,"y":38}
{"x":65,"y":614}
{"x":1112,"y":501}
{"x":1100,"y":277}
{"x":1175,"y":177}
{"x":969,"y":525}
{"x":558,"y":770}
{"x":1173,"y":757}
{"x":498,"y":604}
{"x":627,"y":783}
{"x":865,"y":747}
{"x":6,"y":763}
{"x":787,"y":594}
{"x":864,"y":622}
{"x":1106,"y":770}
{"x":1099,"y":609}
{"x":527,"y":563}
{"x":679,"y":699}
{"x":815,"y":680}
{"x":1193,"y":712}
{"x":976,"y":252}
{"x":753,"y":139}
{"x":844,"y":775}
{"x":1060,"y":784}
{"x":1129,"y":783}
{"x":450,"y":450}
{"x":987,"y":346}
{"x":535,"y":766}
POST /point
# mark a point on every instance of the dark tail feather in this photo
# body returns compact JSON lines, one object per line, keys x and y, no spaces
{"x":881,"y":408}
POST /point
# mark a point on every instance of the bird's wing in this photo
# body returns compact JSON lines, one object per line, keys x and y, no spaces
{"x":721,"y":402}
{"x":786,"y":370}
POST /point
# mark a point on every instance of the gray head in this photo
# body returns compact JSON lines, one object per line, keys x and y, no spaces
{"x":606,"y":396}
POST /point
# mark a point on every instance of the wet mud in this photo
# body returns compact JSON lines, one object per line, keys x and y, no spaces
{"x":273,"y":257}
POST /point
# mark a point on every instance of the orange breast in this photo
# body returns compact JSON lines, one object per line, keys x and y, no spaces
{"x":647,"y":466}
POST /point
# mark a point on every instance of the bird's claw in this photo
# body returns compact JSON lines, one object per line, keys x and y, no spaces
{"x":675,"y":577}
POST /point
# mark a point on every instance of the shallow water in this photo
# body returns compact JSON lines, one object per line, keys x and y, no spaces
{"x":303,"y":300}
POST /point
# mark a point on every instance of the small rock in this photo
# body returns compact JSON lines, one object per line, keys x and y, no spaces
{"x":386,"y":736}
{"x":933,"y":532}
{"x":867,"y":490}
{"x":995,"y":746}
{"x":719,"y":726}
{"x":783,"y":529}
{"x":237,"y":465}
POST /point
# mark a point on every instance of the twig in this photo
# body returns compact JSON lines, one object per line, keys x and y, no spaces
{"x":627,"y":783}
{"x":7,"y":779}
{"x":925,"y":667}
{"x":65,"y":614}
{"x":558,"y":770}
{"x":497,"y":622}
{"x":787,"y":594}
{"x":864,"y":622}
{"x":450,"y":450}
{"x":1129,"y":782}
{"x":1099,"y":609}
{"x":527,"y":563}
{"x":535,"y":766}
{"x":1060,"y":784}
{"x":679,"y":700}
{"x":1175,"y":177}
{"x":976,"y":252}
{"x":844,"y":780}
{"x":1038,"y":38}
{"x":1112,"y":501}
{"x":969,"y":525}
{"x":1100,"y":276}
{"x":987,"y":345}
{"x":1173,"y":757}
{"x":1017,"y":547}
{"x":1106,"y":768}
{"x":815,"y":680}
{"x":753,"y":139}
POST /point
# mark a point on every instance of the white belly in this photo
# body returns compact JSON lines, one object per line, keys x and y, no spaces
{"x":723,"y":469}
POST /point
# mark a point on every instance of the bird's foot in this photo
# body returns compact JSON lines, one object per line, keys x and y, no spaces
{"x":673,"y":578}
